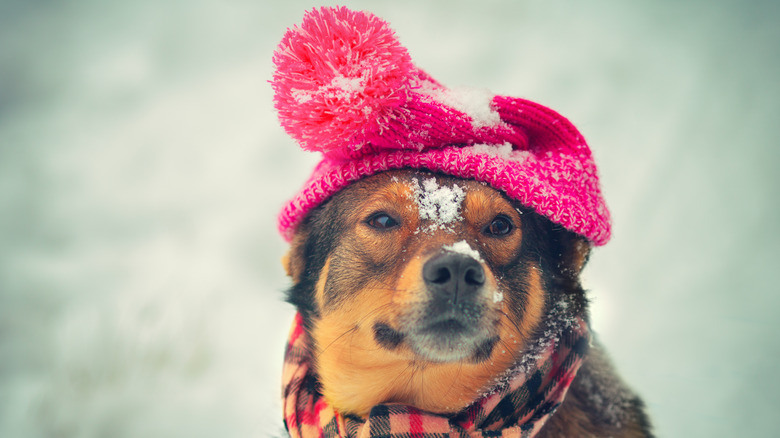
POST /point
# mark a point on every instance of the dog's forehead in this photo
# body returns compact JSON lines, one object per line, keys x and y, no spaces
{"x":414,"y":184}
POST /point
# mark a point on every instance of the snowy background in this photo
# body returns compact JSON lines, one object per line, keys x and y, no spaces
{"x":142,"y":166}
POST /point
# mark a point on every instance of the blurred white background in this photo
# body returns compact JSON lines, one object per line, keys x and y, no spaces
{"x":142,"y":167}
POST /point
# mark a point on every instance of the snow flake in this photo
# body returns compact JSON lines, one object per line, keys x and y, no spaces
{"x":503,"y":151}
{"x":438,"y":204}
{"x":474,"y":102}
{"x":559,"y":318}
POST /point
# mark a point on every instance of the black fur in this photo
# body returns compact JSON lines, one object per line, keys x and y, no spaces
{"x":387,"y":336}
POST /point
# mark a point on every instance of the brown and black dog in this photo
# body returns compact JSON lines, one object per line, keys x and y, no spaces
{"x":411,"y":299}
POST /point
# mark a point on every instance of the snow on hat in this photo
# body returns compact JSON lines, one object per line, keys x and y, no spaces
{"x":346,"y":87}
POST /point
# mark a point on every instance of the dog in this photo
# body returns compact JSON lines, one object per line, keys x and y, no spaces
{"x":423,"y":289}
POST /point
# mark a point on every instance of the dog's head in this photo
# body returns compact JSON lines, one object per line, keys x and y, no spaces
{"x":421,"y":288}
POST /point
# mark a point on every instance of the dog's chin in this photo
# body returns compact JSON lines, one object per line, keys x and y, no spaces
{"x":446,"y":340}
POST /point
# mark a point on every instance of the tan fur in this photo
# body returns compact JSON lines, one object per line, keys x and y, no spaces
{"x":319,"y":295}
{"x":286,"y":264}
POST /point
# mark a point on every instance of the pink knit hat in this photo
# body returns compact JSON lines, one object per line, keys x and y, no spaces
{"x":346,"y":87}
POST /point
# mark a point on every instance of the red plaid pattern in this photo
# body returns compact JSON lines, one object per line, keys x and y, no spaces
{"x":517,"y":408}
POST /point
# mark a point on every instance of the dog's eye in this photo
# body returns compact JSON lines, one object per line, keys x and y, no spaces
{"x":501,"y":226}
{"x":381,"y":221}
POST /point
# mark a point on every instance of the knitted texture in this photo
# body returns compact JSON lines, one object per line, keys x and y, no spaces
{"x":344,"y":86}
{"x":519,"y":406}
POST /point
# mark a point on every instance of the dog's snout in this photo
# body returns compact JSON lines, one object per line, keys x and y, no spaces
{"x":475,"y":274}
{"x":452,"y":275}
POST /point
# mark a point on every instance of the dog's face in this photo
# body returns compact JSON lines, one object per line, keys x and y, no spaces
{"x":421,"y":289}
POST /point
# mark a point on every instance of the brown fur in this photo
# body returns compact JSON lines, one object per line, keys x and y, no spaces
{"x":351,"y":278}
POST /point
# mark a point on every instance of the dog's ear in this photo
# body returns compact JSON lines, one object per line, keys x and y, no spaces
{"x":294,"y":262}
{"x":575,"y":250}
{"x":567,"y":252}
{"x":286,"y":264}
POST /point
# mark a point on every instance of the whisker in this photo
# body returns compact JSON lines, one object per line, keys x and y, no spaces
{"x":337,"y":338}
{"x":518,"y":330}
{"x":456,"y":379}
{"x":353,"y":329}
{"x":422,"y":387}
{"x":507,"y":348}
{"x":411,"y":376}
{"x":401,"y":373}
{"x":389,"y":289}
{"x":372,"y":312}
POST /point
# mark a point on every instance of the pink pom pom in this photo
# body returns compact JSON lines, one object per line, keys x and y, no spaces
{"x":339,"y":77}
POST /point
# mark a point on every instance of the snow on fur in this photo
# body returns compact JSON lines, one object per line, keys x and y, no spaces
{"x":559,"y":318}
{"x":438,"y":204}
{"x":463,"y":247}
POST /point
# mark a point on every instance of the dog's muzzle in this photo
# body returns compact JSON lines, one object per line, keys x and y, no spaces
{"x":451,"y":325}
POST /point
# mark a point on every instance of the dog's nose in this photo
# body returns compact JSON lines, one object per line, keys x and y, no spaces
{"x":453,"y":276}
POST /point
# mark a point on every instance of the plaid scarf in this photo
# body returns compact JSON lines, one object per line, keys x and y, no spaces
{"x":518,"y":405}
